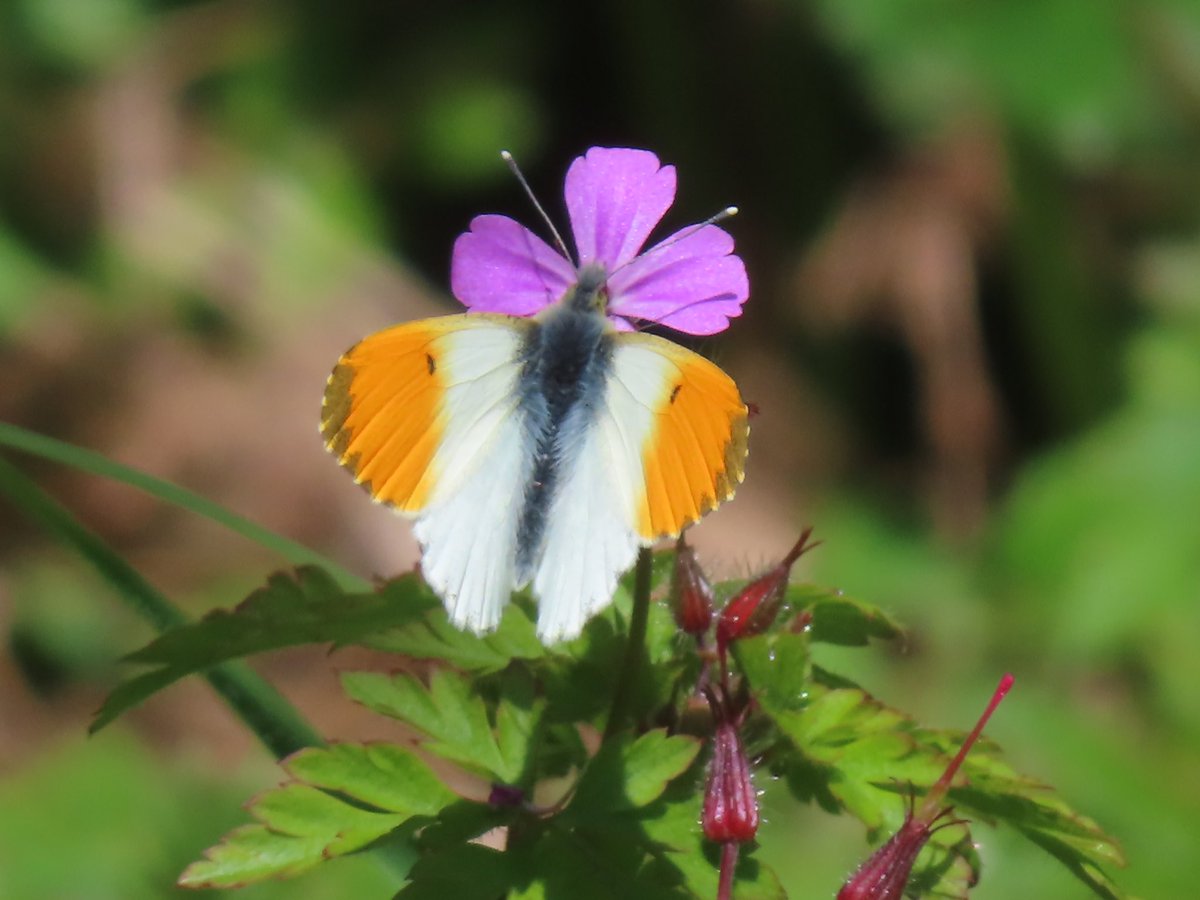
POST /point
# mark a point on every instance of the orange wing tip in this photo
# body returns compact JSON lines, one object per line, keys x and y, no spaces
{"x":379,"y":414}
{"x":726,"y":482}
{"x":335,"y":410}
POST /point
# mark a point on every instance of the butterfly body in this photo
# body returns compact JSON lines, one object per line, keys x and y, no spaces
{"x":567,"y":354}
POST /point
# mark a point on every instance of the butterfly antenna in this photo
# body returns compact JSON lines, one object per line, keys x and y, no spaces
{"x":727,"y":213}
{"x":516,"y":170}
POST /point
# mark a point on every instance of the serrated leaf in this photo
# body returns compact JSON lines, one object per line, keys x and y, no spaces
{"x":776,"y":665}
{"x":434,"y":637}
{"x":251,"y":854}
{"x":455,"y":718}
{"x":867,"y":754}
{"x":301,"y":827}
{"x":302,"y":607}
{"x":385,"y":776}
{"x":627,"y":774}
{"x":838,"y":619}
{"x":301,"y":823}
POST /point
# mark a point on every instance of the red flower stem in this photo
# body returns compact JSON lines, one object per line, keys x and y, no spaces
{"x":635,"y":649}
{"x":933,"y":800}
{"x":729,"y":855}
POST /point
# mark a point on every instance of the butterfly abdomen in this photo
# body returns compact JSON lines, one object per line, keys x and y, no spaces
{"x":566,"y":362}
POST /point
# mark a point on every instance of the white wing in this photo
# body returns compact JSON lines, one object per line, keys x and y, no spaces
{"x":591,"y":535}
{"x":468,"y":531}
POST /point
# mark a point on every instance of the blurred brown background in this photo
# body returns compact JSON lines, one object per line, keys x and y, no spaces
{"x":973,"y":234}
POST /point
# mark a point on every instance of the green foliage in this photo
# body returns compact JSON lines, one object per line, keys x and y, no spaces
{"x":623,"y":813}
{"x":301,"y":608}
{"x":379,"y":788}
{"x":455,"y":718}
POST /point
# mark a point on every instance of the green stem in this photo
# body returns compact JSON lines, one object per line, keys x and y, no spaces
{"x":265,"y":711}
{"x":96,"y":464}
{"x":635,"y":650}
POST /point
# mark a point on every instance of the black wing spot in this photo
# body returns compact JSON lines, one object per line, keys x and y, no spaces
{"x":430,"y":363}
{"x":675,"y":393}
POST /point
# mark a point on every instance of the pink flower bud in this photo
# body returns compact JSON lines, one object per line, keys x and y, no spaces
{"x":691,"y":594}
{"x":730,"y":801}
{"x":753,"y":610}
{"x":885,"y":875}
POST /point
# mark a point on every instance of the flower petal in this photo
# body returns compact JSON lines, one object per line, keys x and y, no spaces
{"x":615,"y":197}
{"x":501,"y":266}
{"x":692,"y":282}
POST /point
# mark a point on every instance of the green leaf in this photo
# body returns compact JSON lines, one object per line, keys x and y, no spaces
{"x":385,"y":776}
{"x":455,"y":717}
{"x":838,"y":619}
{"x":434,"y":637}
{"x":870,"y":758}
{"x":626,"y":774}
{"x":301,"y":824}
{"x":303,"y":607}
{"x":776,"y":665}
{"x":597,"y":864}
{"x":301,"y":827}
{"x":464,"y":872}
{"x":947,"y":867}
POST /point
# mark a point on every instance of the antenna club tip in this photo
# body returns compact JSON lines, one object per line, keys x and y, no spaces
{"x":731,"y":210}
{"x":1005,"y":683}
{"x":506,"y":156}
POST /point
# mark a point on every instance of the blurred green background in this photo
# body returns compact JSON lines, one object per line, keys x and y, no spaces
{"x":973,"y":234}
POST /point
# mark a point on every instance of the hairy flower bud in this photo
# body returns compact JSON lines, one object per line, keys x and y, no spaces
{"x":691,"y":593}
{"x":754,"y":608}
{"x":730,"y":801}
{"x":885,"y":875}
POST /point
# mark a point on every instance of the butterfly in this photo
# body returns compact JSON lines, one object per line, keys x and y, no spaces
{"x":538,"y":439}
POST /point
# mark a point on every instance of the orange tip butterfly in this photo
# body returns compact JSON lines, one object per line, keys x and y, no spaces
{"x":539,"y":440}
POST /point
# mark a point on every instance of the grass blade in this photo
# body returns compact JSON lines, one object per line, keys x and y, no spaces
{"x":26,"y":441}
{"x":265,"y":711}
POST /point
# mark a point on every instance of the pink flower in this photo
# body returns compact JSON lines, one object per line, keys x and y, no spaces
{"x":691,"y":281}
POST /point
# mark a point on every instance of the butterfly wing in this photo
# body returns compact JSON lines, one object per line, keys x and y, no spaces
{"x":667,"y":446}
{"x":425,"y":416}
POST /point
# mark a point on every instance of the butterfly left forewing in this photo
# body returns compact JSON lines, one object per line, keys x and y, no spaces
{"x":425,"y":416}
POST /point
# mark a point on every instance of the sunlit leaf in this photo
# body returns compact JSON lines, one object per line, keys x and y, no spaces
{"x":382,"y":775}
{"x":626,"y":773}
{"x":873,"y":759}
{"x":455,"y":717}
{"x":434,"y":637}
{"x":303,"y":607}
{"x":838,"y":619}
